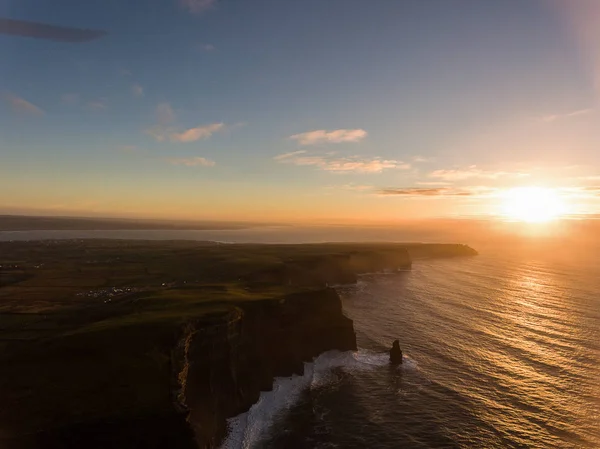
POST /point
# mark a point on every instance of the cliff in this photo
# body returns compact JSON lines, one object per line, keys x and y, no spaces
{"x":226,"y":366}
{"x":147,"y":386}
{"x":155,"y":344}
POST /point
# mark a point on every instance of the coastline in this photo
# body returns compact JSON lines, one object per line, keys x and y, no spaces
{"x":190,"y":360}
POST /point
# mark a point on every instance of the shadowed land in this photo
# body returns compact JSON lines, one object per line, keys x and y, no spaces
{"x":109,"y":337}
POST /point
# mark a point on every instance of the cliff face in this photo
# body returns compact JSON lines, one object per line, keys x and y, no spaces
{"x":224,"y":366}
{"x":332,"y":269}
{"x":166,"y":387}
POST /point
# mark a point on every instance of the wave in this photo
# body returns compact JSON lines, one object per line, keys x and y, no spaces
{"x":248,"y":429}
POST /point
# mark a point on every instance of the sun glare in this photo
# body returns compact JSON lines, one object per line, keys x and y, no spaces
{"x":533,"y":204}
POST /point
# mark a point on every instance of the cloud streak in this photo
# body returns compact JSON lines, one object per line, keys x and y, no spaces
{"x":286,"y":156}
{"x":340,"y":165}
{"x":197,"y":133}
{"x":165,"y":129}
{"x":97,"y":105}
{"x":192,"y":162}
{"x":473,"y":172}
{"x":553,"y":117}
{"x":21,"y":106}
{"x":322,"y":136}
{"x":416,"y":192}
{"x":441,"y":191}
{"x":45,"y":31}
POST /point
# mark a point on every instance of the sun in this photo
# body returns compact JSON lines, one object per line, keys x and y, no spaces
{"x":532,"y":204}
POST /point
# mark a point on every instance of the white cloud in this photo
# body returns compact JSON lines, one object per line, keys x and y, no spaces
{"x":553,"y":117}
{"x":422,"y":160}
{"x":285,"y":156}
{"x":337,"y":136}
{"x":341,"y":164}
{"x":473,"y":172}
{"x":200,"y":132}
{"x":137,"y":90}
{"x":198,"y":6}
{"x":70,"y":99}
{"x":22,"y":106}
{"x":192,"y":162}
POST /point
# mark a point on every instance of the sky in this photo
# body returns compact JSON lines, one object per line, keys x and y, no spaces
{"x":299,"y":110}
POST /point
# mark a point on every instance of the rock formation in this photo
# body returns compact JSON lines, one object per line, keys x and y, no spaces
{"x":396,"y":353}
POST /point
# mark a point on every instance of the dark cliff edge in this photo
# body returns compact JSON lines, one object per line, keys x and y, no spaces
{"x":168,"y":369}
{"x":172,"y":388}
{"x":225,"y":367}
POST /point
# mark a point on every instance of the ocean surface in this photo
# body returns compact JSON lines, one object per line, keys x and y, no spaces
{"x":500,"y":352}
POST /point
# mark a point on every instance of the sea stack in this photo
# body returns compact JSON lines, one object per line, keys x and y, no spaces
{"x":396,"y":353}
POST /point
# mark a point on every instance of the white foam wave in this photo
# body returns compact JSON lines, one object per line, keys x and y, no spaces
{"x":248,"y":429}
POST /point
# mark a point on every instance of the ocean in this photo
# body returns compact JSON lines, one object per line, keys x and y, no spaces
{"x":500,"y":352}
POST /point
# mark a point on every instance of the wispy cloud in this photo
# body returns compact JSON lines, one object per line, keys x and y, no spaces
{"x":207,"y":47}
{"x":436,"y":192}
{"x":553,"y":117}
{"x":165,"y":114}
{"x":158,"y":132}
{"x":137,"y":90}
{"x":165,"y":129}
{"x":473,"y":172}
{"x":162,"y":133}
{"x":70,"y":99}
{"x":340,"y":165}
{"x":414,"y":191}
{"x":357,"y":187}
{"x":192,"y":162}
{"x":194,"y":134}
{"x":198,"y":6}
{"x":97,"y":105}
{"x":422,"y":159}
{"x":322,"y":136}
{"x":45,"y":31}
{"x":284,"y":156}
{"x":589,"y":178}
{"x":433,"y":183}
{"x":22,"y":106}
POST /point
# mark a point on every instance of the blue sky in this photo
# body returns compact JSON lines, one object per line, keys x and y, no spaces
{"x":287,"y":109}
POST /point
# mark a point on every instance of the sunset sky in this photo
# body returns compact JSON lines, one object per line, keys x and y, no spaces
{"x":300,"y":110}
